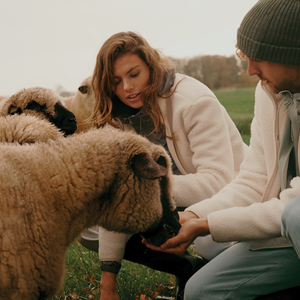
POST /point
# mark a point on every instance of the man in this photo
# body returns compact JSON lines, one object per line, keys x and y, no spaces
{"x":249,"y":209}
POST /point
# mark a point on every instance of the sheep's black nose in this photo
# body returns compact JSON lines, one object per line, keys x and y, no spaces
{"x":73,"y":120}
{"x":70,"y":126}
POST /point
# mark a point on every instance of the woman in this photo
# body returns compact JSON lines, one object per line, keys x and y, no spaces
{"x":136,"y":88}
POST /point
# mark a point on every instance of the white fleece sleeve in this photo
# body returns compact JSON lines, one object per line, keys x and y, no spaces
{"x":250,"y":207}
{"x":210,"y":134}
{"x":112,"y":245}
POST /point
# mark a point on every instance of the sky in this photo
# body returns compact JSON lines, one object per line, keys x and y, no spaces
{"x":51,"y":43}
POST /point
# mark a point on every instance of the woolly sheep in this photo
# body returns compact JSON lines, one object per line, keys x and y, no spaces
{"x":2,"y":100}
{"x":43,"y":103}
{"x":23,"y":129}
{"x":82,"y":104}
{"x":51,"y":191}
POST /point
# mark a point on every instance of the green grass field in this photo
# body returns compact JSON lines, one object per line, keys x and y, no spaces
{"x":137,"y":282}
{"x":239,"y":104}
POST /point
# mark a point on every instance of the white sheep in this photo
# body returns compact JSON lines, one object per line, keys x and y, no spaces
{"x":43,"y":103}
{"x":82,"y":104}
{"x":51,"y":191}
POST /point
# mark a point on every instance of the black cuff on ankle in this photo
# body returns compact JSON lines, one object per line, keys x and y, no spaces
{"x":110,"y":266}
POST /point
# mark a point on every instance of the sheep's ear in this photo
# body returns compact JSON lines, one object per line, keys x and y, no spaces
{"x":12,"y":110}
{"x":83,"y":89}
{"x":143,"y":165}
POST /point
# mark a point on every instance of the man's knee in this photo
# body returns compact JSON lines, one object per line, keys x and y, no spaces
{"x":197,"y":289}
{"x":192,"y":292}
{"x":290,"y":215}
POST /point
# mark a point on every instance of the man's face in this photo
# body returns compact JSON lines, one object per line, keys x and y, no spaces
{"x":277,"y":76}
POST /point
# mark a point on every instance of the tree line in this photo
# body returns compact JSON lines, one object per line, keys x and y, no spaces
{"x":216,"y":71}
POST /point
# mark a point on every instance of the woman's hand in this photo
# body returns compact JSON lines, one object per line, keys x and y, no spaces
{"x":108,"y":286}
{"x":192,"y":227}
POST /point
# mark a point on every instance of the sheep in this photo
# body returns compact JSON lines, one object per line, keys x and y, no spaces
{"x":52,"y":191}
{"x":82,"y":104}
{"x":43,"y":103}
{"x":23,"y":129}
{"x":2,"y":100}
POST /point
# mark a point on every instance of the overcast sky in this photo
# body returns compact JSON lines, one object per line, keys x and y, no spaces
{"x":55,"y":42}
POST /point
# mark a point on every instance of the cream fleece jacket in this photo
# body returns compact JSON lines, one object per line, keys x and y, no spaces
{"x":208,"y":151}
{"x":250,"y":207}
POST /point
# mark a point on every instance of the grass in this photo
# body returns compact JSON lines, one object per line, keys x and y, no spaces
{"x":239,"y":104}
{"x":134,"y":281}
{"x":137,"y":282}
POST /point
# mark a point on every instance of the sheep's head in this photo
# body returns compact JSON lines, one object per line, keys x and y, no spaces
{"x":86,"y":87}
{"x":43,"y":103}
{"x":84,"y":99}
{"x":141,"y":193}
{"x":168,"y":226}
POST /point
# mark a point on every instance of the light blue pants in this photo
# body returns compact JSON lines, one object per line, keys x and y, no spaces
{"x":239,"y":273}
{"x":291,"y":223}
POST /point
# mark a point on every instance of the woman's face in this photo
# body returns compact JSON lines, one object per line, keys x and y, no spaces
{"x":131,"y":76}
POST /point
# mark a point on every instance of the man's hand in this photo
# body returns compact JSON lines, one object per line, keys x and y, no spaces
{"x":192,"y":227}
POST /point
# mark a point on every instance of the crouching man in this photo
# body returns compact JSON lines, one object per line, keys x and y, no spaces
{"x":249,"y":209}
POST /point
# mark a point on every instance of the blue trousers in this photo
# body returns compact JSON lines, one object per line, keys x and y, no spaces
{"x":290,"y":227}
{"x":239,"y":273}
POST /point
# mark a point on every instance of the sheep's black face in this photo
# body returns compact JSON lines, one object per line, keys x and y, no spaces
{"x":168,"y":226}
{"x":64,"y":119}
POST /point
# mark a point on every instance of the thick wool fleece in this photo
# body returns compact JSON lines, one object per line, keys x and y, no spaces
{"x":23,"y":129}
{"x":51,"y":191}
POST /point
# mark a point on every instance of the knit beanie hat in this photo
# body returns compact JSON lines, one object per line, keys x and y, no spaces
{"x":270,"y":31}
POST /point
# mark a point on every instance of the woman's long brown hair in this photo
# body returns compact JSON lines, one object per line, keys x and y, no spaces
{"x":103,"y":78}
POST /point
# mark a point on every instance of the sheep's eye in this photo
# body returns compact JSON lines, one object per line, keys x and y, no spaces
{"x":35,"y":106}
{"x":83,"y":89}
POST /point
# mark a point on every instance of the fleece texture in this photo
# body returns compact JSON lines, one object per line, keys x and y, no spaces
{"x":51,"y":191}
{"x":252,"y":204}
{"x":26,"y":129}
